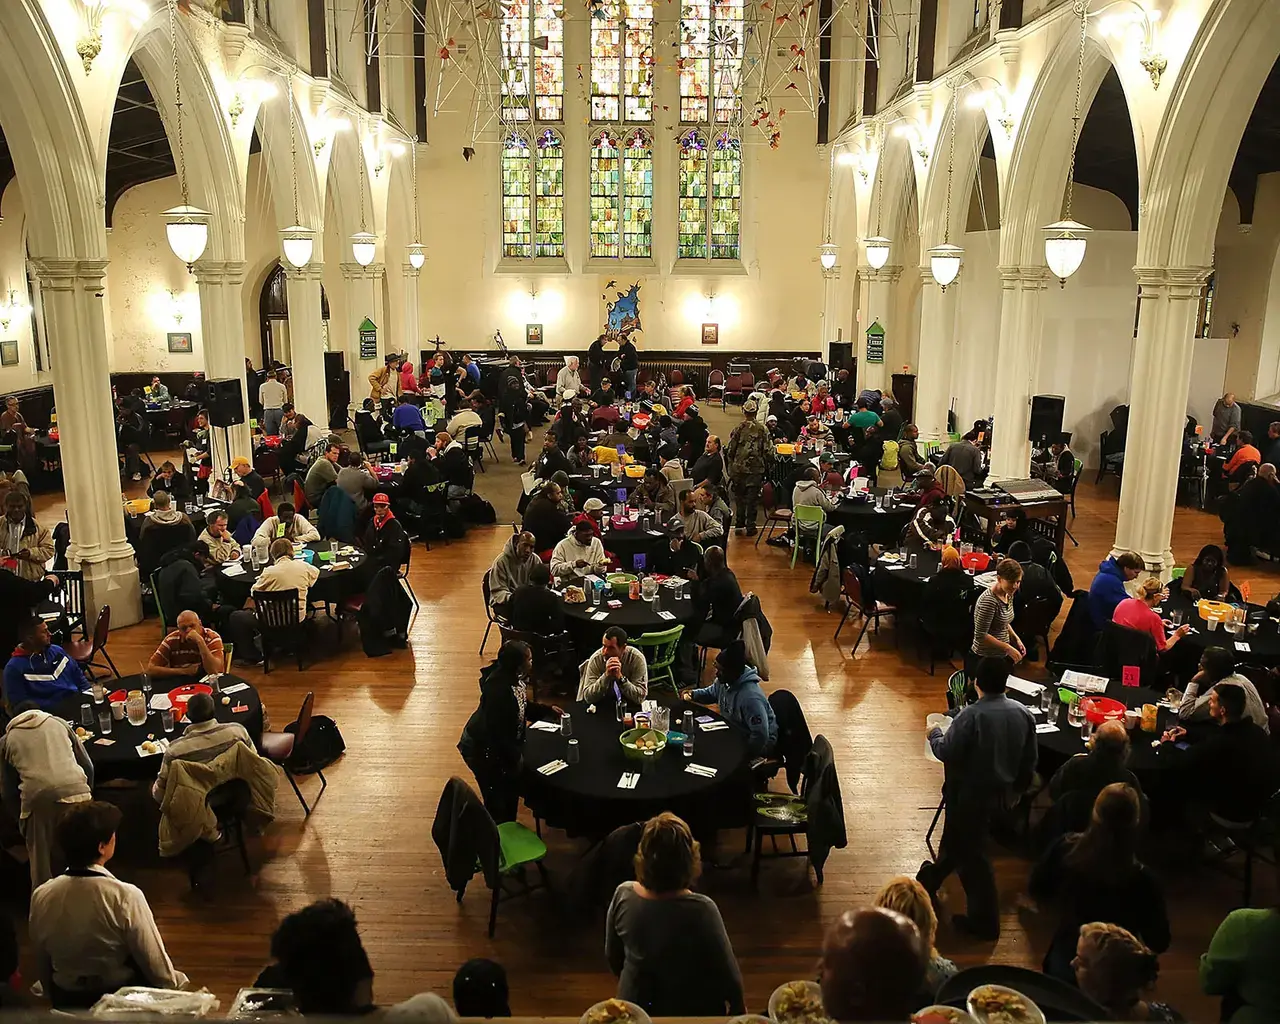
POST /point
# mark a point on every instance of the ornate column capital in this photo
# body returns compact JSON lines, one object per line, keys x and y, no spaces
{"x":1030,"y":278}
{"x":1175,"y":282}
{"x":311,"y":272}
{"x":409,"y":270}
{"x":219,"y":272}
{"x":356,"y":272}
{"x":885,"y":275}
{"x":64,"y":275}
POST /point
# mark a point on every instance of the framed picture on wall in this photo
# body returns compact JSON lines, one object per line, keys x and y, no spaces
{"x":710,"y":334}
{"x":180,"y":342}
{"x":8,"y":353}
{"x":533,"y":334}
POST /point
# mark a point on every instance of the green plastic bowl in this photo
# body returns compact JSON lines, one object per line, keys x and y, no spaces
{"x":628,"y":740}
{"x":620,"y":582}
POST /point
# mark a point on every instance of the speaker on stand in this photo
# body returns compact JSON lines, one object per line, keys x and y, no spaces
{"x":1046,"y":418}
{"x":225,"y":402}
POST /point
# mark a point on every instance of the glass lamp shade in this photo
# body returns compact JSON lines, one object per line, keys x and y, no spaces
{"x":298,"y":245}
{"x":877,"y":251}
{"x":187,"y":229}
{"x":1064,"y":246}
{"x":828,"y":253}
{"x":417,"y":257}
{"x":944,"y":263}
{"x":364,"y":246}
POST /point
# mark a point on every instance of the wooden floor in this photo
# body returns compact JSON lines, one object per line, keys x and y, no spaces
{"x":369,"y":840}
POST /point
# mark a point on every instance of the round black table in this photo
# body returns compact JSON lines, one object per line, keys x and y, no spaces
{"x":121,"y":759}
{"x":879,"y":525}
{"x":331,"y":587}
{"x":1264,"y":644}
{"x":636,"y":617}
{"x":584,"y":799}
{"x":604,"y":487}
{"x":626,"y":544}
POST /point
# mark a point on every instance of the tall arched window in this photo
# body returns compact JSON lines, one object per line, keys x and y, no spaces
{"x":622,"y":60}
{"x":621,"y":195}
{"x":533,"y":73}
{"x":548,"y":239}
{"x":726,"y":197}
{"x":517,"y":196}
{"x":712,"y":39}
{"x":637,"y":196}
{"x":710,"y":197}
{"x":693,"y":197}
{"x":606,"y":189}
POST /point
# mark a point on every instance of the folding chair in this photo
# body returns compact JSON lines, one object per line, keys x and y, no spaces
{"x":402,"y":574}
{"x":774,"y":513}
{"x":85,"y":651}
{"x":660,"y":652}
{"x":280,"y":624}
{"x":73,"y":588}
{"x":494,"y":620}
{"x":801,"y":516}
{"x":285,"y":749}
{"x":851,"y":587}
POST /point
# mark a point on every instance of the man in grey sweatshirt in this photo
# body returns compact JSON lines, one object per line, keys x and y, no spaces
{"x":45,"y":766}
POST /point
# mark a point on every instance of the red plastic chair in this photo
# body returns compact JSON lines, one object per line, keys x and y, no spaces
{"x":732,"y":386}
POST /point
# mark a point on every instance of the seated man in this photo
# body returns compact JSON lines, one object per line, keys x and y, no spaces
{"x":248,"y":476}
{"x":465,"y":418}
{"x":580,"y":554}
{"x":712,"y":502}
{"x":737,"y":693}
{"x":217,"y":538}
{"x":698,"y":525}
{"x":679,"y":558}
{"x":190,"y":650}
{"x":321,"y":475}
{"x":408,"y":416}
{"x":168,"y":478}
{"x":718,"y":598}
{"x":288,"y":573}
{"x":40,"y":672}
{"x":385,"y":541}
{"x":181,"y":582}
{"x":286,"y":524}
{"x":164,"y":529}
{"x":655,"y":494}
{"x":91,"y":933}
{"x":534,"y":607}
{"x":808,"y":491}
{"x":511,"y":570}
{"x":615,"y":665}
{"x":203,"y":740}
{"x":873,"y":966}
{"x":455,"y":465}
{"x":159,"y":393}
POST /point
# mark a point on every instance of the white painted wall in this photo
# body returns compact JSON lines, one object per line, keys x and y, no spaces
{"x":13,"y":275}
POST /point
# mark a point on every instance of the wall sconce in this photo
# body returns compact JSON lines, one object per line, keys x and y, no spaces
{"x":533,"y":306}
{"x":325,"y":127}
{"x":89,"y":45}
{"x":912,"y":133}
{"x":385,"y":149}
{"x":12,"y":309}
{"x":256,"y":89}
{"x":1118,"y":26}
{"x":175,"y":311}
{"x":995,"y":98}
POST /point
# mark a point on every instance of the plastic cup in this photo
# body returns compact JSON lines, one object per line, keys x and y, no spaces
{"x":104,"y":721}
{"x":572,"y":755}
{"x":566,"y":725}
{"x":117,"y":710}
{"x":99,"y":692}
{"x":86,"y":715}
{"x":688,"y":744}
{"x":166,"y":719}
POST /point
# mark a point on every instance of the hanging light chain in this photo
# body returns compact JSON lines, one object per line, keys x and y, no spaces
{"x":879,"y":182}
{"x":1082,"y":8}
{"x":293,"y":146}
{"x":360,"y":159}
{"x":951,"y":160}
{"x":416,"y":226}
{"x":177,"y":98}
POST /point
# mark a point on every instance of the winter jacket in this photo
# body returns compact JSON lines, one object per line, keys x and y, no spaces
{"x":544,"y":519}
{"x":495,"y":731}
{"x":44,"y":760}
{"x":383,"y":618}
{"x":748,"y":450}
{"x":806,"y":492}
{"x":386,"y":544}
{"x":45,"y":677}
{"x":40,"y":543}
{"x":1105,"y":592}
{"x":509,"y":571}
{"x":338,"y":515}
{"x":744,"y":704}
{"x":466,"y":837}
{"x":826,"y":574}
{"x":185,"y":815}
{"x":825,"y":827}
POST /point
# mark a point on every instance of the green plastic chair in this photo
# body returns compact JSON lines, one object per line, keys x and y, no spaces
{"x":155,"y":592}
{"x":956,"y":688}
{"x":806,"y":514}
{"x":660,"y":652}
{"x":518,"y":846}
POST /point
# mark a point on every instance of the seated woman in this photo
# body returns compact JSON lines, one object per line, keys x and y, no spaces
{"x":1117,"y":972}
{"x":1139,"y":613}
{"x":580,"y":554}
{"x":687,"y":398}
{"x":910,"y":899}
{"x":1207,"y":576}
{"x":666,"y":943}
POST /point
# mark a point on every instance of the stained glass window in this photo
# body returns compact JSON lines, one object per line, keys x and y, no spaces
{"x":637,"y":196}
{"x":517,"y":196}
{"x":711,"y":44}
{"x":692,"y":242}
{"x":532,"y":59}
{"x":622,"y":60}
{"x":605,"y":192}
{"x":548,"y":239}
{"x":726,"y":197}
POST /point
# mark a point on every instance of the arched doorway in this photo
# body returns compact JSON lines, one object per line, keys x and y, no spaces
{"x":273,"y":314}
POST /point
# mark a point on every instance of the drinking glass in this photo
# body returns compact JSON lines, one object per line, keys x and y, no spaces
{"x":86,"y":715}
{"x":104,"y":721}
{"x":146,"y":688}
{"x":566,"y":724}
{"x":1175,"y":616}
{"x":1046,"y":699}
{"x":572,"y":755}
{"x":166,"y":719}
{"x":333,"y":546}
{"x":688,"y":744}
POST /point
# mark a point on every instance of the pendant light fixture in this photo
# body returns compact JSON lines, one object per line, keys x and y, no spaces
{"x":417,"y":255}
{"x":1064,"y":240}
{"x":945,"y":259}
{"x":828,"y":251}
{"x":364,"y":244}
{"x":298,"y":242}
{"x":877,"y":245}
{"x":185,"y":226}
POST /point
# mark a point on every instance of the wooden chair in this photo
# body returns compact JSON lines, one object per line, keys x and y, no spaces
{"x":73,"y":589}
{"x":774,"y":514}
{"x":851,"y":588}
{"x":285,"y":750}
{"x":84,"y":652}
{"x":266,"y":464}
{"x":280,"y":624}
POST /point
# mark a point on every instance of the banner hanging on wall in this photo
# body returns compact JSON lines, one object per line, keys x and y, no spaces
{"x":368,"y":339}
{"x":875,"y":343}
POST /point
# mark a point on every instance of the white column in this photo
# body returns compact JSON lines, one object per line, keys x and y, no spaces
{"x":76,"y":324}
{"x":837,"y":310}
{"x":1017,"y":355}
{"x":306,"y":340}
{"x":412,"y":333}
{"x":364,"y":299}
{"x":1157,"y":405}
{"x":876,"y":307}
{"x":222,"y":330}
{"x":937,"y":354}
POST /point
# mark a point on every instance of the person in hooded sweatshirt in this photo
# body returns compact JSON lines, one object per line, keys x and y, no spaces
{"x":580,"y":554}
{"x":40,"y":671}
{"x":1107,"y":589}
{"x":808,"y":491}
{"x":45,"y":768}
{"x":742,"y":702}
{"x":511,"y":569}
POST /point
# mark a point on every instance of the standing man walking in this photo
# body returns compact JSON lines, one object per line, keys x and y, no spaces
{"x":989,"y":754}
{"x":272,"y":396}
{"x":748,"y":453}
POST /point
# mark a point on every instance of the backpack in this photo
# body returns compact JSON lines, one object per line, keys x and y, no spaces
{"x":475,"y":509}
{"x":322,"y":745}
{"x":889,"y":457}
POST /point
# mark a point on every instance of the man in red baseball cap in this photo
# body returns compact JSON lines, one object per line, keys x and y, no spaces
{"x":385,"y":541}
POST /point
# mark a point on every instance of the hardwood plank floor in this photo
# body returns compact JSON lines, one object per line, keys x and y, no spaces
{"x":369,"y":843}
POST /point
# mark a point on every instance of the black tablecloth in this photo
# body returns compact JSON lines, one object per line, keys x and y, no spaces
{"x":331,"y":586}
{"x":585,"y":485}
{"x":584,"y":799}
{"x":1264,"y":645}
{"x":626,"y":544}
{"x":882,"y":526}
{"x":636,"y":617}
{"x":121,"y":760}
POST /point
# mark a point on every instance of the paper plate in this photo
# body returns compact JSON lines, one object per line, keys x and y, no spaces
{"x":944,"y":723}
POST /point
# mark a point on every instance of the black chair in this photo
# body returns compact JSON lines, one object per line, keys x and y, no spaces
{"x":1110,"y":454}
{"x":794,"y":741}
{"x":286,"y":750}
{"x":368,"y":435}
{"x":494,"y":620}
{"x":796,"y":814}
{"x":402,"y":574}
{"x":73,"y":591}
{"x":488,"y":422}
{"x":280,"y":624}
{"x":1120,"y":647}
{"x":471,"y":445}
{"x":1034,"y":618}
{"x":945,"y":625}
{"x":1056,"y":999}
{"x":230,"y":803}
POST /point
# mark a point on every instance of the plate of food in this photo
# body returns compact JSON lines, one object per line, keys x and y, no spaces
{"x":941,"y":1015}
{"x":797,"y":1002}
{"x":995,"y":1004}
{"x":574,"y":595}
{"x":615,"y":1011}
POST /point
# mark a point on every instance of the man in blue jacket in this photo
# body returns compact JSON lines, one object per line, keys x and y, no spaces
{"x":1107,"y":589}
{"x":741,"y":700}
{"x":40,"y":671}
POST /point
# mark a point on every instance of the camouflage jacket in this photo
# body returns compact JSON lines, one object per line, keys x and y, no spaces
{"x":748,"y":449}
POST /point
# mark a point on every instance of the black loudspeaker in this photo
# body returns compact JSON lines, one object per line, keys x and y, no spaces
{"x":225,"y":402}
{"x":1046,"y":417}
{"x":841,"y":355}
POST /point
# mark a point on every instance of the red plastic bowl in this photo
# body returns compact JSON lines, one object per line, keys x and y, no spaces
{"x":978,"y":561}
{"x":1102,"y":709}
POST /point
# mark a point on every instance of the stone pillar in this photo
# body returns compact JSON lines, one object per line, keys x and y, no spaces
{"x":364,"y":299}
{"x":412,"y":333}
{"x":76,"y":325}
{"x":1017,"y":355}
{"x":876,"y":307}
{"x":1161,"y":378}
{"x":306,"y":339}
{"x":222,"y":328}
{"x":937,"y":354}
